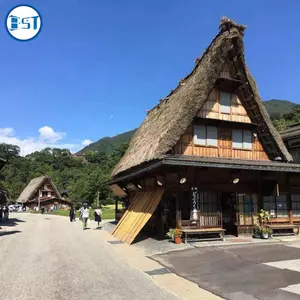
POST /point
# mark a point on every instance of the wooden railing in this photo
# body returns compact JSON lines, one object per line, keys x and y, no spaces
{"x":205,"y":220}
{"x":248,"y":219}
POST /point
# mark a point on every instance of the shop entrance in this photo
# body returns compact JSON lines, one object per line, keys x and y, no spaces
{"x":229,"y":211}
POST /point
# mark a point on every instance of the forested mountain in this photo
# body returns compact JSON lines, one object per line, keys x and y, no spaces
{"x":83,"y":178}
{"x":108,"y":144}
{"x":276,"y":108}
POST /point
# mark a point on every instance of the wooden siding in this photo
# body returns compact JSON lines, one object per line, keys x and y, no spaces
{"x":225,"y":73}
{"x":211,"y":109}
{"x":186,"y":146}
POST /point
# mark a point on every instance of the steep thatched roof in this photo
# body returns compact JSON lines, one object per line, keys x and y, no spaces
{"x":33,"y":186}
{"x":167,"y":122}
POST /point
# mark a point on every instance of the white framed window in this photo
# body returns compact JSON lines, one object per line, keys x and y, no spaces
{"x":242,"y":139}
{"x":205,"y":135}
{"x":225,"y":102}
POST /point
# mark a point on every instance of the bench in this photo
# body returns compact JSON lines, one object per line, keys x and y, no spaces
{"x":279,"y":227}
{"x":219,"y":231}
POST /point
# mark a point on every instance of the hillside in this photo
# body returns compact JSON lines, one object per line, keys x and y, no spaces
{"x":108,"y":144}
{"x":276,"y":108}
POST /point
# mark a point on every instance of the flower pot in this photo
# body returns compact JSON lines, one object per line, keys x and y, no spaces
{"x":177,"y":239}
{"x":264,"y":235}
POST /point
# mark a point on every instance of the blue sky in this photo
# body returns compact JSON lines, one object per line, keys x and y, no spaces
{"x":97,"y":66}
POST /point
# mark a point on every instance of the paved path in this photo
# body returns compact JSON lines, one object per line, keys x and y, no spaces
{"x":248,"y":272}
{"x":46,"y":257}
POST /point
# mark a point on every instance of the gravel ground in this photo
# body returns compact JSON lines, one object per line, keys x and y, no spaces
{"x":47,"y":257}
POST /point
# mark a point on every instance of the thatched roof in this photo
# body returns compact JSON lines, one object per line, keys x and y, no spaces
{"x":33,"y":187}
{"x":291,"y":132}
{"x":167,"y":122}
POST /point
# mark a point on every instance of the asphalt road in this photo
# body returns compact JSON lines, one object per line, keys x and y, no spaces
{"x":47,"y":257}
{"x":248,"y":272}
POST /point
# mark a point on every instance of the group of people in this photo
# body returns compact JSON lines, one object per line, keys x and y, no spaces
{"x":4,"y":212}
{"x":84,"y":215}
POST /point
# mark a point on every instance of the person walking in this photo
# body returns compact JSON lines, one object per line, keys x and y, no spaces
{"x":85,"y":215}
{"x":71,"y":214}
{"x":74,"y":214}
{"x":98,"y":215}
{"x":80,"y":212}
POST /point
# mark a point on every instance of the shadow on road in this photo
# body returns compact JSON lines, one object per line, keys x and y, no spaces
{"x":9,"y":232}
{"x":11,"y":222}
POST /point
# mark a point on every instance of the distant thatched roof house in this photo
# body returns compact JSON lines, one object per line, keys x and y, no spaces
{"x":41,"y":190}
{"x":170,"y":118}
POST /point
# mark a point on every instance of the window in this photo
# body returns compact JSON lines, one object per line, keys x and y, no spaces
{"x":205,"y":135}
{"x":296,"y":205}
{"x":225,"y":103}
{"x":242,"y":139}
{"x":276,"y":205}
{"x":208,"y":202}
{"x":247,"y":203}
{"x":247,"y":208}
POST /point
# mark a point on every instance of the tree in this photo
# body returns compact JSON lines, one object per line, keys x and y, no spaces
{"x":8,"y":151}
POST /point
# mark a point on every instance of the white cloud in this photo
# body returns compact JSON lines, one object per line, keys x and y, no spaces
{"x":86,"y":142}
{"x":47,"y":134}
{"x":7,"y":131}
{"x":47,"y":138}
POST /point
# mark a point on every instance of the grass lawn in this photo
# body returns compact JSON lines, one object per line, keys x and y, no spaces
{"x":108,"y":212}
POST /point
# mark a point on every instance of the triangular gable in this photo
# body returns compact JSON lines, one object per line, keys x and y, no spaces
{"x":34,"y":185}
{"x":212,"y":109}
{"x":167,"y":122}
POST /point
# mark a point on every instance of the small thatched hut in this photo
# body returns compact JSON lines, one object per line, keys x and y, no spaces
{"x":41,"y":192}
{"x":207,"y":156}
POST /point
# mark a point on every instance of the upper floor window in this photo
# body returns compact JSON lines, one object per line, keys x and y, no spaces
{"x":205,"y":135}
{"x":225,"y":102}
{"x":242,"y":139}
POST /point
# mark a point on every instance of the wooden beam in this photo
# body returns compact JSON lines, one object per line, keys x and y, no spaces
{"x":178,"y":210}
{"x":116,"y":207}
{"x":289,"y":198}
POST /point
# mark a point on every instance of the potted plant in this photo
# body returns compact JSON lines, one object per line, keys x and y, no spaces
{"x":256,"y":231}
{"x":175,"y":235}
{"x":264,"y":217}
{"x":266,"y":232}
{"x":170,"y":234}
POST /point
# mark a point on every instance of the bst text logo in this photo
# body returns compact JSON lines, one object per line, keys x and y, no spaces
{"x":23,"y":22}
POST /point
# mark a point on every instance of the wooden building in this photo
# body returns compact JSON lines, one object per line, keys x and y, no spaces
{"x":207,"y":155}
{"x":291,"y":138}
{"x":41,"y":192}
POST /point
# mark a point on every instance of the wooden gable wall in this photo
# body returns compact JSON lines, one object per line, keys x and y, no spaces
{"x":186,"y":146}
{"x":212,"y":110}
